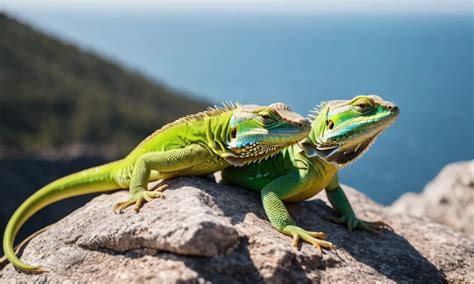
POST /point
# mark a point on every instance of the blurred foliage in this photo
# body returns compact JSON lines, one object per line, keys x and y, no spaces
{"x":52,"y":94}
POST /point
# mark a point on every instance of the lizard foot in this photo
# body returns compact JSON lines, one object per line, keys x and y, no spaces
{"x":139,"y":198}
{"x":352,"y":222}
{"x":314,"y":238}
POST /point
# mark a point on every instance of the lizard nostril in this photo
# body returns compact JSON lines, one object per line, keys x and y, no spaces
{"x":393,"y":108}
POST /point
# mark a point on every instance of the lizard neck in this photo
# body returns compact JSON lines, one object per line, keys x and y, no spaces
{"x":317,"y":127}
{"x":217,"y":132}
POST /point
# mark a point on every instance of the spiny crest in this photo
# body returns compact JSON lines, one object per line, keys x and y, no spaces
{"x":316,"y":110}
{"x":226,"y":106}
{"x":209,"y":112}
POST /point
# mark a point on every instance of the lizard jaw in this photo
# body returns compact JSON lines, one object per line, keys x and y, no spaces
{"x":252,"y":154}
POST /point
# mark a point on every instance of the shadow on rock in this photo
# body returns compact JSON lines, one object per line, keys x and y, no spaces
{"x":390,"y":254}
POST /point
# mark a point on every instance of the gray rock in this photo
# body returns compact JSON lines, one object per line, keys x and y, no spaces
{"x":448,"y":199}
{"x":206,"y":232}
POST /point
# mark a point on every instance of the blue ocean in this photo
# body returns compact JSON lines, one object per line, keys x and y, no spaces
{"x":422,"y":62}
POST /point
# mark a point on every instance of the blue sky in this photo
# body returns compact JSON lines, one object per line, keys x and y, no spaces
{"x":390,"y":6}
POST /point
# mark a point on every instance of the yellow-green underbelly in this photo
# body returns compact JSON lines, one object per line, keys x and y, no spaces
{"x":320,"y":178}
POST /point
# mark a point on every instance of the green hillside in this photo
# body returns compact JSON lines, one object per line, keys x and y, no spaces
{"x":53,"y":94}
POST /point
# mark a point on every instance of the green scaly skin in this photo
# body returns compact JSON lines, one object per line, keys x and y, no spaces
{"x":194,"y":145}
{"x":341,"y":132}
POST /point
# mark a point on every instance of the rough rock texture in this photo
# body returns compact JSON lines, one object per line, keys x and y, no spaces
{"x":205,"y":232}
{"x":448,"y":199}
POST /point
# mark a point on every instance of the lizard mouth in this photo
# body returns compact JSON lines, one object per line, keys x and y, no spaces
{"x":347,"y":151}
{"x":360,"y":130}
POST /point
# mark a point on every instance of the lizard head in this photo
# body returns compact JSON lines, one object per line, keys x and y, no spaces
{"x":258,"y":132}
{"x":343,"y":130}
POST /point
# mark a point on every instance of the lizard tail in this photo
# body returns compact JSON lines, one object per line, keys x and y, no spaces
{"x":93,"y":180}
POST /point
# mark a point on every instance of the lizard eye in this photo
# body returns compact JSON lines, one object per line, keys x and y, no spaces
{"x":267,"y":117}
{"x":362,"y":106}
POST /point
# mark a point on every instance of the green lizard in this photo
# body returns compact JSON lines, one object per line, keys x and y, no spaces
{"x":194,"y":145}
{"x":341,"y":132}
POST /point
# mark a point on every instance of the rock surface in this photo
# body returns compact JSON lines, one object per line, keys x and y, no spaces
{"x":206,"y":232}
{"x":448,"y":199}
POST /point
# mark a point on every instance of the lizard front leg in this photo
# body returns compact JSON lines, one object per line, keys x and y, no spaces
{"x":272,"y":195}
{"x":166,"y":161}
{"x":339,"y":201}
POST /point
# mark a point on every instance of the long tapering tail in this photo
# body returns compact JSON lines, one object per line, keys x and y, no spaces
{"x":93,"y":180}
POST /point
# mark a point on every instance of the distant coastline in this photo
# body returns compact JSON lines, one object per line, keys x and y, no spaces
{"x":54,"y":95}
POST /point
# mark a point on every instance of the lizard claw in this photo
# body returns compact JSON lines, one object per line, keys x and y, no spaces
{"x":380,"y":225}
{"x":138,"y":199}
{"x":120,"y":206}
{"x":352,"y":222}
{"x":313,"y":238}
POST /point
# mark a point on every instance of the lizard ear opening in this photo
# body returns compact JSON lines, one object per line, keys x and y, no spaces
{"x":233,"y":133}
